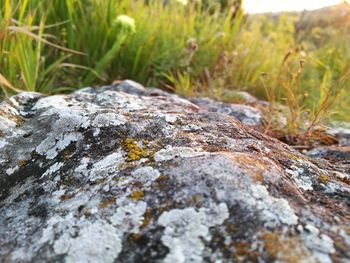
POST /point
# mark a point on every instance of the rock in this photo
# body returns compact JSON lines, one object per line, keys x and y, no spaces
{"x":245,"y":114}
{"x":342,"y":134}
{"x":340,"y":154}
{"x":105,"y":175}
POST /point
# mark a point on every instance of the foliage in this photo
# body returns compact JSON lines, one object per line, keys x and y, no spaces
{"x":192,"y":47}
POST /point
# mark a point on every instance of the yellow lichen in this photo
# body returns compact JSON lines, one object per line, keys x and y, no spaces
{"x":323,"y":178}
{"x":147,"y":217}
{"x":134,"y":151}
{"x":21,"y":163}
{"x":137,"y":195}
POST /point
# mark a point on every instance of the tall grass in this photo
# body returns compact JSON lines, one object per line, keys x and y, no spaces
{"x":300,"y":72}
{"x":159,"y":45}
{"x":202,"y":47}
{"x":24,"y":48}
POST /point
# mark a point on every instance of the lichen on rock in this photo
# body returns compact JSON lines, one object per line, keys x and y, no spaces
{"x":123,"y":173}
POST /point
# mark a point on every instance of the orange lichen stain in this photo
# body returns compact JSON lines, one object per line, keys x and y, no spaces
{"x":196,"y":199}
{"x":257,"y":177}
{"x":242,"y":248}
{"x":147,"y":216}
{"x":347,"y":230}
{"x":161,"y":178}
{"x":67,"y":154}
{"x":18,"y":120}
{"x":231,"y":228}
{"x":213,"y":148}
{"x":284,"y":249}
{"x":21,"y":163}
{"x":251,"y":165}
{"x":244,"y":253}
{"x":134,"y":151}
{"x":134,"y":237}
{"x":67,"y":196}
{"x":137,"y":184}
{"x":160,"y":182}
{"x":107,"y":202}
{"x":137,"y":195}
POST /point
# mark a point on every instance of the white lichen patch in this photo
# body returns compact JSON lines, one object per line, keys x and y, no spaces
{"x":69,"y":120}
{"x":170,"y":153}
{"x":191,"y":127}
{"x":53,"y":168}
{"x":51,"y":146}
{"x":12,"y":170}
{"x":273,"y":211}
{"x":320,"y":244}
{"x":107,"y":165}
{"x":185,"y":229}
{"x":96,"y":242}
{"x":56,"y":101}
{"x":82,"y":168}
{"x":170,"y":118}
{"x":3,"y":143}
{"x":129,"y":217}
{"x":108,"y":119}
{"x":6,"y":123}
{"x":303,"y":181}
{"x":123,"y":101}
{"x":145,"y":174}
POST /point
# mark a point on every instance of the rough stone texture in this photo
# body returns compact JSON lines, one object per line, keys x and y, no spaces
{"x":246,"y":114}
{"x":342,"y":133}
{"x":123,"y":174}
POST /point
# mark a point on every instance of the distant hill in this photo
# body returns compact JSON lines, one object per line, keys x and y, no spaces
{"x":336,"y":15}
{"x":332,"y":16}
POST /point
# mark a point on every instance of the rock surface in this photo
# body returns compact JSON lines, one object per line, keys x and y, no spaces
{"x":245,"y":114}
{"x":125,"y":174}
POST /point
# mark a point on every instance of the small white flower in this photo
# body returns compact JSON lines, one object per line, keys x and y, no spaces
{"x":184,"y":2}
{"x":127,"y":23}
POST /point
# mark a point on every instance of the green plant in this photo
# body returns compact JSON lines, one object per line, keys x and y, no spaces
{"x":126,"y":27}
{"x":302,"y":118}
{"x":22,"y":53}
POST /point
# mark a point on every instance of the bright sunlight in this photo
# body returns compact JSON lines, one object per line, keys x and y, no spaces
{"x":262,"y":6}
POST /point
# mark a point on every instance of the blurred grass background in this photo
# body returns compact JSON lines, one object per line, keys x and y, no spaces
{"x":208,"y":48}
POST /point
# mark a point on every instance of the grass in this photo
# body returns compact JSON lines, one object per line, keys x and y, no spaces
{"x":201,"y":48}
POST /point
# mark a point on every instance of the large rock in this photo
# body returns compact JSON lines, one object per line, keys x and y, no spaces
{"x":123,"y":174}
{"x":246,"y":114}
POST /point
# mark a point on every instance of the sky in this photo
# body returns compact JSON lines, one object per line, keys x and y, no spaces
{"x":261,"y":6}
